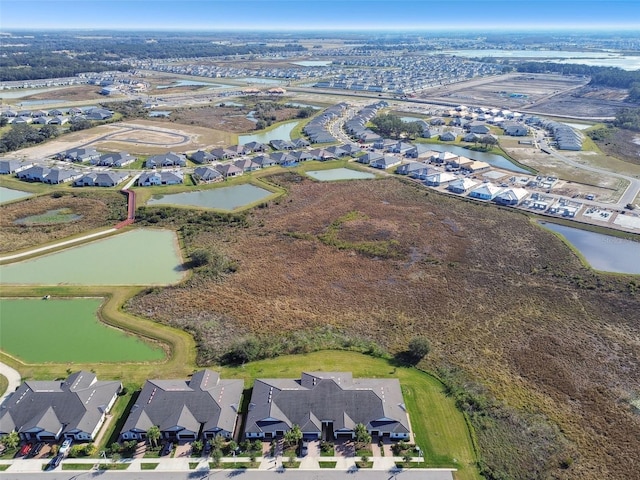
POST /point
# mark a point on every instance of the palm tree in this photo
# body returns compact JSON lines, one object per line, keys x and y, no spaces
{"x":11,"y":440}
{"x":154,"y":434}
{"x":361,"y":433}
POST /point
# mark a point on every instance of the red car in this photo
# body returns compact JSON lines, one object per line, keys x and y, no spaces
{"x":26,"y":448}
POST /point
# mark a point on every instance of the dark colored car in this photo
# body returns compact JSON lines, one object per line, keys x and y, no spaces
{"x":207,"y":449}
{"x":166,"y":449}
{"x":55,"y":461}
{"x":36,"y":450}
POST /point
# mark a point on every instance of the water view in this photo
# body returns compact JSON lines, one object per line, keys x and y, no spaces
{"x":603,"y":252}
{"x":578,"y":126}
{"x":136,"y":257}
{"x":25,"y":92}
{"x":281,"y":132}
{"x":601,"y":59}
{"x":191,"y":83}
{"x":313,"y":63}
{"x":339,"y":174}
{"x":33,"y":329}
{"x":225,"y":198}
{"x":490,"y":158}
{"x":8,"y":194}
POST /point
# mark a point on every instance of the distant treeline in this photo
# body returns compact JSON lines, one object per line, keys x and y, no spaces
{"x":66,"y":55}
{"x":39,"y":65}
{"x":600,"y":76}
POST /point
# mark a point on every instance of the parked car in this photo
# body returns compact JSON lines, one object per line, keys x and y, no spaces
{"x":166,"y":449}
{"x":26,"y":448}
{"x":304,"y":449}
{"x":36,"y":450}
{"x":55,"y":461}
{"x":207,"y":449}
{"x":65,"y":445}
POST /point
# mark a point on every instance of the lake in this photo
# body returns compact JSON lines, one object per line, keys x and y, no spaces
{"x":281,"y":132}
{"x":136,"y":257}
{"x":491,"y":158}
{"x":339,"y":174}
{"x":14,"y":93}
{"x":410,"y":119}
{"x":225,"y":198}
{"x":601,"y":59}
{"x":191,"y":83}
{"x":578,"y":126}
{"x":33,"y":330}
{"x":313,"y":63}
{"x":603,"y":252}
{"x":8,"y":194}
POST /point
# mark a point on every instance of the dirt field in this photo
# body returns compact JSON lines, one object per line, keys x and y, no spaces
{"x":98,"y":209}
{"x":501,"y":299}
{"x":139,"y":137}
{"x":497,"y":91}
{"x":77,"y":93}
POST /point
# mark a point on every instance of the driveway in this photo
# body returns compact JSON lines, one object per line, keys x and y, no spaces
{"x":14,"y":379}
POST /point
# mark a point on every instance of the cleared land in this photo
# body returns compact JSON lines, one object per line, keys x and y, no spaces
{"x":503,"y":302}
{"x":40,"y":331}
{"x":514,"y":91}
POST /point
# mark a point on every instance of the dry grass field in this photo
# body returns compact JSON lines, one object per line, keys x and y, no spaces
{"x":504,"y":303}
{"x":97,"y":209}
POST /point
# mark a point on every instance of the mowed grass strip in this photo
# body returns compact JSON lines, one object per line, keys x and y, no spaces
{"x":440,"y":428}
{"x":66,"y":330}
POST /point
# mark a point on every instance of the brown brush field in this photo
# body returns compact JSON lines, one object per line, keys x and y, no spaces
{"x":226,"y":118}
{"x":504,"y":303}
{"x":97,"y":209}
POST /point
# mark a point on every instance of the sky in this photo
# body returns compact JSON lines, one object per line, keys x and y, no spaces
{"x":296,"y":15}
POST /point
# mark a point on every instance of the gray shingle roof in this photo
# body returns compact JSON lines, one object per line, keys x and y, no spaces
{"x":77,"y":404}
{"x":277,"y":404}
{"x":203,"y":401}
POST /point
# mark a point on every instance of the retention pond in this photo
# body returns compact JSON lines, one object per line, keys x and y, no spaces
{"x":603,"y":252}
{"x":339,"y":174}
{"x":136,"y":257}
{"x":66,"y":331}
{"x":225,"y":198}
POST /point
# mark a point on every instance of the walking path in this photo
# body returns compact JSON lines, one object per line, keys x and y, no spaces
{"x":14,"y":380}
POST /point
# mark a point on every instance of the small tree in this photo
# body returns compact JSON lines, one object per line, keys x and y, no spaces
{"x":364,"y":459}
{"x":363,"y":437}
{"x":200,"y":257}
{"x":154,"y":434}
{"x":216,"y":456}
{"x":406,"y":458}
{"x":217,"y":442}
{"x":418,"y":348}
{"x":232,"y":446}
{"x":293,"y":436}
{"x":90,"y":449}
{"x":197,"y":446}
{"x":11,"y":440}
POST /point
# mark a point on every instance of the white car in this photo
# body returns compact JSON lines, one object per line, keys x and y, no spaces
{"x":65,"y":446}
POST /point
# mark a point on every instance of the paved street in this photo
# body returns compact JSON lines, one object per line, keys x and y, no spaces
{"x":325,"y":474}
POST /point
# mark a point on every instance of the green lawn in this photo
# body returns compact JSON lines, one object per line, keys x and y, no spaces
{"x":440,"y":428}
{"x":327,"y":464}
{"x":77,"y":466}
{"x":63,"y":215}
{"x":4,"y":383}
{"x":4,"y":467}
{"x":41,"y":331}
{"x":148,"y":466}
